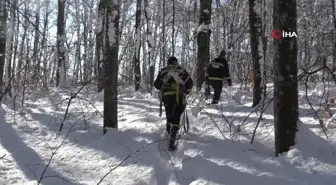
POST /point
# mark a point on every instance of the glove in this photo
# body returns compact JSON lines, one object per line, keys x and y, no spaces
{"x":229,"y":82}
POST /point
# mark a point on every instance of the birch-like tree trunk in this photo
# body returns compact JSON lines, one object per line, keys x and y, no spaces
{"x":184,"y":33}
{"x":203,"y":41}
{"x":10,"y":42}
{"x":77,"y":63}
{"x":136,"y":58}
{"x":111,"y":46}
{"x":255,"y":37}
{"x":163,"y":38}
{"x":285,"y":77}
{"x":173,"y":30}
{"x":150,"y":42}
{"x":22,"y":47}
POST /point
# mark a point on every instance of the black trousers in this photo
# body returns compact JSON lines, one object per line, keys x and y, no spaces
{"x":217,"y":85}
{"x":173,"y":111}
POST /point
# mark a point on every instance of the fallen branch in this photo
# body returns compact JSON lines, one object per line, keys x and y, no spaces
{"x":54,"y":153}
{"x":3,"y":156}
{"x":72,"y":96}
{"x":324,"y":129}
{"x":175,"y":171}
{"x":129,"y":155}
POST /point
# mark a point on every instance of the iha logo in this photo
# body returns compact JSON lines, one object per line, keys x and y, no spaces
{"x":277,"y":34}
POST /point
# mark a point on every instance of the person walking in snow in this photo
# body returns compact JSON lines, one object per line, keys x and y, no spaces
{"x":217,"y":72}
{"x":174,"y":83}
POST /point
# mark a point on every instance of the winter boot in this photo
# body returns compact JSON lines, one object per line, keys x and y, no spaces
{"x":214,"y":102}
{"x":173,"y":136}
{"x":168,"y":128}
{"x":172,"y":146}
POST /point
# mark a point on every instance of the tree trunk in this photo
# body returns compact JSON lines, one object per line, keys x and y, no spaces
{"x":60,"y":73}
{"x":85,"y":34}
{"x":184,"y":34}
{"x":203,"y":41}
{"x":3,"y":30}
{"x":255,"y":37}
{"x":173,"y":29}
{"x":99,"y":46}
{"x":44,"y":49}
{"x":163,"y":38}
{"x":150,"y":43}
{"x":21,"y":50}
{"x":12,"y":22}
{"x":136,"y":58}
{"x":111,"y":46}
{"x":334,"y":33}
{"x":285,"y":77}
{"x":36,"y":63}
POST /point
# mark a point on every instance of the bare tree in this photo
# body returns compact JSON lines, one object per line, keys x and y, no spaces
{"x":36,"y":61}
{"x":150,"y":43}
{"x":60,"y":73}
{"x":333,"y":4}
{"x":285,"y":77}
{"x":3,"y":30}
{"x":173,"y":29}
{"x":256,"y":49}
{"x":99,"y":46}
{"x":136,"y":58}
{"x":111,"y":46}
{"x":203,"y":41}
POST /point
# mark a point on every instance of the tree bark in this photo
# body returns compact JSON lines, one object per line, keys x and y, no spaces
{"x":203,"y":41}
{"x":60,"y":73}
{"x":3,"y":30}
{"x":255,"y":37}
{"x":334,"y":33}
{"x":285,"y":77}
{"x":150,"y":43}
{"x":136,"y":58}
{"x":111,"y":46}
{"x":36,"y":61}
{"x":99,"y":46}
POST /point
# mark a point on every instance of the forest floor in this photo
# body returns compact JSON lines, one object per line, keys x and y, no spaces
{"x":216,"y":150}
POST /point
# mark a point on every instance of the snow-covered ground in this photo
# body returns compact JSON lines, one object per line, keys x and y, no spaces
{"x":216,"y":150}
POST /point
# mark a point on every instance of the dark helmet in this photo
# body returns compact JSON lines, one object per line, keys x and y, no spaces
{"x":172,"y":60}
{"x":222,"y":53}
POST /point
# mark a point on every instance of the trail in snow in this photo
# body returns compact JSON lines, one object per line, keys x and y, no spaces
{"x":204,"y":156}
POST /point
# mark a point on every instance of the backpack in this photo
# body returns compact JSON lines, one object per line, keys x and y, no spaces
{"x":173,"y":80}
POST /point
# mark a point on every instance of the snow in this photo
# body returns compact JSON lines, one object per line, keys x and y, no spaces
{"x":135,"y":155}
{"x":112,"y":29}
{"x":203,"y":28}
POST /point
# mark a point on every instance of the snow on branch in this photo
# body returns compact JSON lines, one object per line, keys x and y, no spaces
{"x":203,"y":28}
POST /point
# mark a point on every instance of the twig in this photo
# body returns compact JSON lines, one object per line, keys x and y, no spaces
{"x":175,"y":171}
{"x":215,"y":123}
{"x":263,"y":109}
{"x":70,"y":99}
{"x":311,"y":106}
{"x":129,"y":155}
{"x":54,"y":152}
{"x":3,"y":156}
